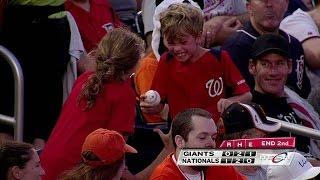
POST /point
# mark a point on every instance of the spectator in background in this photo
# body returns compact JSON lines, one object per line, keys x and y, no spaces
{"x":94,"y":18}
{"x":103,"y":157}
{"x":222,"y":18}
{"x":126,"y":10}
{"x":192,"y":128}
{"x":38,"y":34}
{"x":299,"y":168}
{"x":100,"y":99}
{"x":305,"y":27}
{"x":265,"y":17}
{"x":181,"y":27}
{"x":19,"y":160}
{"x":246,"y":121}
{"x":270,"y":66}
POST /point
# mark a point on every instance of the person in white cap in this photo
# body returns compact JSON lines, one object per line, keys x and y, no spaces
{"x":299,"y":168}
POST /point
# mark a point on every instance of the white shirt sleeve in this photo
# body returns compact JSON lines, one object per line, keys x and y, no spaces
{"x":300,"y":25}
{"x":148,"y":8}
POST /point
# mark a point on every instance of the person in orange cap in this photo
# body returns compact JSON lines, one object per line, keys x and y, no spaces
{"x":102,"y":153}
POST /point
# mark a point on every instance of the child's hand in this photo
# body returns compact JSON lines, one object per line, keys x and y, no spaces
{"x":150,"y":108}
{"x":223,"y":104}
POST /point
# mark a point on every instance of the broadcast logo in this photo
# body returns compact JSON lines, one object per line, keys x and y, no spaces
{"x":280,"y":157}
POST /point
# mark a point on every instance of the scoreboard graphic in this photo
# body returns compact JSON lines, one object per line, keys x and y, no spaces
{"x":240,"y":157}
{"x":241,"y":152}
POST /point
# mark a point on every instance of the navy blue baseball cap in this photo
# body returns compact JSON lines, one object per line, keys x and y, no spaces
{"x":270,"y":43}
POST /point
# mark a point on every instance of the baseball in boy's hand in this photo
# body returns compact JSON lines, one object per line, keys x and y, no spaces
{"x":152,"y":97}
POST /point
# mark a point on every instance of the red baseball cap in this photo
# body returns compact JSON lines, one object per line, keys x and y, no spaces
{"x":109,"y":146}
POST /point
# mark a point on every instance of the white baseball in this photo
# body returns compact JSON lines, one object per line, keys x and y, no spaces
{"x":152,"y":97}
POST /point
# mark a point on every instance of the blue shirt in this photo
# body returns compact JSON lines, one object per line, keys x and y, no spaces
{"x":239,"y":47}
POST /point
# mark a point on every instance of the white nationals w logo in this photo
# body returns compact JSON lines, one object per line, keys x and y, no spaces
{"x":215,"y":87}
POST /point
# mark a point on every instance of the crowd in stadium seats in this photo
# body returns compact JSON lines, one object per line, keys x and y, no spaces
{"x":221,"y":68}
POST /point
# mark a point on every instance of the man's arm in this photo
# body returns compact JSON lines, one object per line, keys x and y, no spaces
{"x":146,"y":173}
{"x":229,"y":26}
{"x":305,"y":27}
{"x":219,"y":28}
{"x":225,"y":103}
{"x":312,"y":52}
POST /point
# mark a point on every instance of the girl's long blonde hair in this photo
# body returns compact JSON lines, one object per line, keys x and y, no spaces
{"x":117,"y":54}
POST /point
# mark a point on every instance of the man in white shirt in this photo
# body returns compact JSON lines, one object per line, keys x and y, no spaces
{"x":305,"y":27}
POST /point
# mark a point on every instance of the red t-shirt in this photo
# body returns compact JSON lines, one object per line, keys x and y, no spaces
{"x":199,"y":84}
{"x":93,"y":25}
{"x":168,"y":170}
{"x":114,"y":109}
